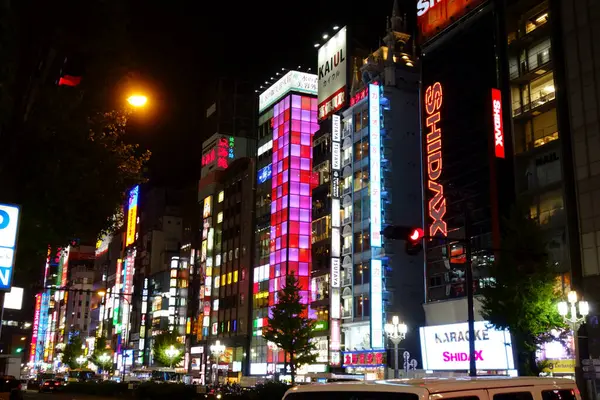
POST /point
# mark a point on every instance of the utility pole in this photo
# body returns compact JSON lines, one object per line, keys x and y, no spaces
{"x":469,"y":289}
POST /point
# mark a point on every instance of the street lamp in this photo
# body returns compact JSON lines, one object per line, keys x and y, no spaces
{"x":171,"y":353}
{"x":104,"y":358}
{"x":568,"y":310}
{"x":137,"y":100}
{"x":217,"y":350}
{"x":396,"y":332}
{"x":80,"y":360}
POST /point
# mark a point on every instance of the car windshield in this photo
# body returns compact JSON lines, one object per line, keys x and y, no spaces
{"x":351,"y":395}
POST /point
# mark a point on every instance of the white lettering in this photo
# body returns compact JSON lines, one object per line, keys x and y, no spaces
{"x":5,"y":277}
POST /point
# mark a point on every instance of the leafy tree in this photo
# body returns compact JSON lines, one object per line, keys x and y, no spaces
{"x":290,"y":328}
{"x":162,"y":343}
{"x":103,"y":348}
{"x":73,"y":350}
{"x":524,"y":291}
{"x":66,"y":157}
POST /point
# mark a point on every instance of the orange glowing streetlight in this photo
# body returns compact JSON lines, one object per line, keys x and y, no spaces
{"x":137,"y":100}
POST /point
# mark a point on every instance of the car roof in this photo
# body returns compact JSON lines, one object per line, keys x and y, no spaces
{"x":437,"y":385}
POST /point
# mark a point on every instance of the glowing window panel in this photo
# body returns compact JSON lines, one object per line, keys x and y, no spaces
{"x":294,"y":124}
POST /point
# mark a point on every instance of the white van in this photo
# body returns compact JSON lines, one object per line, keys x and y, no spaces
{"x":480,"y":388}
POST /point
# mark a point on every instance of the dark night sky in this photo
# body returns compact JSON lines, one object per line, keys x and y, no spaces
{"x":180,"y":45}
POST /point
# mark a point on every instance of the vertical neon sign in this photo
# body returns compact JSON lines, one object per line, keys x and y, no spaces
{"x":376,"y":304}
{"x":36,"y":327}
{"x":498,"y":126}
{"x":437,"y":204}
{"x":375,"y":163}
{"x":132,"y":215}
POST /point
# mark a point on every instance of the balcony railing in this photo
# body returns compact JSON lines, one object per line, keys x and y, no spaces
{"x":542,"y":99}
{"x":347,"y":250}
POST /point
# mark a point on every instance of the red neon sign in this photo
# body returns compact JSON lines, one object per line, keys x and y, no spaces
{"x":364,"y":358}
{"x":437,"y":204}
{"x":435,"y":15}
{"x":221,"y":153}
{"x":498,"y":126}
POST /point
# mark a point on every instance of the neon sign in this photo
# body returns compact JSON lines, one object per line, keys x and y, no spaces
{"x":265,"y":173}
{"x":364,"y":358}
{"x":221,"y":153}
{"x":437,"y":204}
{"x":498,"y":127}
{"x":132,"y":215}
{"x":375,"y":164}
{"x":36,"y":327}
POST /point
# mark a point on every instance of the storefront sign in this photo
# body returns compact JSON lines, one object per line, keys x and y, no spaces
{"x":446,"y":347}
{"x":364,"y":358}
{"x":498,"y":126}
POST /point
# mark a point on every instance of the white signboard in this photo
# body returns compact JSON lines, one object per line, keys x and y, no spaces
{"x":332,"y":74}
{"x":9,"y":225}
{"x":292,"y":81}
{"x":446,"y":347}
{"x":376,"y":305}
{"x":335,"y":272}
{"x":336,"y":128}
{"x":375,"y":160}
{"x":13,"y":300}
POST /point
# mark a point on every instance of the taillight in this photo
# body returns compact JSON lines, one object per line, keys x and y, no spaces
{"x":19,"y":387}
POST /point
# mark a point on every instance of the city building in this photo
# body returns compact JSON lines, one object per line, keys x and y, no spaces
{"x":287,"y":121}
{"x":225,"y":258}
{"x":370,"y":151}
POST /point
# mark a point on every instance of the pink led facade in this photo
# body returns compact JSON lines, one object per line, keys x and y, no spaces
{"x":294,"y":124}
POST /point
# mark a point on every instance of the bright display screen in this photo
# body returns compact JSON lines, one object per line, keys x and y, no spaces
{"x":132,"y":215}
{"x":9,"y":224}
{"x":376,"y":304}
{"x":375,"y":163}
{"x":446,"y":347}
{"x":264,"y":174}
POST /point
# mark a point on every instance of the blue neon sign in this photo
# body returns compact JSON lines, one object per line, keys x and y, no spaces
{"x":264,"y":174}
{"x":9,"y":226}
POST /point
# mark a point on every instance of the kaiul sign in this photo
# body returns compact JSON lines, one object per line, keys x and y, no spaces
{"x":437,"y":204}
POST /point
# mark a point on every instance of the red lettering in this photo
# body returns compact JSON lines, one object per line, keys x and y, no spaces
{"x":437,"y":204}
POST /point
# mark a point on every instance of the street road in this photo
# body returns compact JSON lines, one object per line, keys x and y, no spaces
{"x":34,"y":395}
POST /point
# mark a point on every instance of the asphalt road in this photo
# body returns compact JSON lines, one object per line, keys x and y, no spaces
{"x":34,"y":395}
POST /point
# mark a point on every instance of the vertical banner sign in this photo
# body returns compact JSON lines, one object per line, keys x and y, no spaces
{"x":498,"y":127}
{"x":437,"y":203}
{"x":132,"y":215}
{"x":335,"y":281}
{"x":375,"y":163}
{"x":376,"y":305}
{"x":36,"y":327}
{"x":9,"y":227}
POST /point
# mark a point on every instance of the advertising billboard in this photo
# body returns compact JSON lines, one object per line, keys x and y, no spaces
{"x":377,"y":304}
{"x":332,"y":74}
{"x":9,"y":227}
{"x":498,"y":126}
{"x":433,"y":16}
{"x":293,"y":81}
{"x":13,"y":300}
{"x":132,"y":215}
{"x":446,"y":347}
{"x":375,"y":163}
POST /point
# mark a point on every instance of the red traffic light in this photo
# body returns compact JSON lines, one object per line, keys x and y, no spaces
{"x":416,"y":234}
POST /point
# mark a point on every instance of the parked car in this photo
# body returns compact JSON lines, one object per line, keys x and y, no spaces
{"x":10,"y":388}
{"x":481,"y":388}
{"x":51,"y":385}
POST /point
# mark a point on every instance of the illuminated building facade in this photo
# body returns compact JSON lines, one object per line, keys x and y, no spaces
{"x":285,"y":179}
{"x":225,"y":259}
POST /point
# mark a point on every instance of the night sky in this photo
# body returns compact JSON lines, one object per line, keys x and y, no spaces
{"x":182,"y":45}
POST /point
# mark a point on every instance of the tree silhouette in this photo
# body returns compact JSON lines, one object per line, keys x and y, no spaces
{"x":523,"y":293}
{"x":290,"y":328}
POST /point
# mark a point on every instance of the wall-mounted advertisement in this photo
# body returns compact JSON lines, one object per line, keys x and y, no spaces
{"x":433,"y":16}
{"x":332,"y":70}
{"x":498,"y":125}
{"x":446,"y":347}
{"x":559,"y":354}
{"x":9,"y":227}
{"x":293,"y":81}
{"x":132,"y":215}
{"x":376,"y":304}
{"x":375,"y":163}
{"x":335,"y":302}
{"x":264,"y":174}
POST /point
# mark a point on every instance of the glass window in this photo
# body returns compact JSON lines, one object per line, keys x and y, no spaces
{"x":321,"y":228}
{"x":361,"y":179}
{"x":558,"y":395}
{"x":513,"y":396}
{"x":545,"y":128}
{"x":541,"y":90}
{"x":357,"y":122}
{"x":361,"y":150}
{"x":221,"y":196}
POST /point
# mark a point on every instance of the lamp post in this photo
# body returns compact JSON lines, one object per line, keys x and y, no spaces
{"x":171,"y":353}
{"x":273,"y":347}
{"x":217,"y":350}
{"x":568,"y":310}
{"x":137,"y":100}
{"x":104,"y":358}
{"x":396,"y":332}
{"x":80,"y":360}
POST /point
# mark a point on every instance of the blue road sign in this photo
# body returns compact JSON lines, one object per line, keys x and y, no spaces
{"x":9,"y":227}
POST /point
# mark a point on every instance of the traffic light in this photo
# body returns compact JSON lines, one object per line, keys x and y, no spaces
{"x":412,"y":235}
{"x":19,"y":350}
